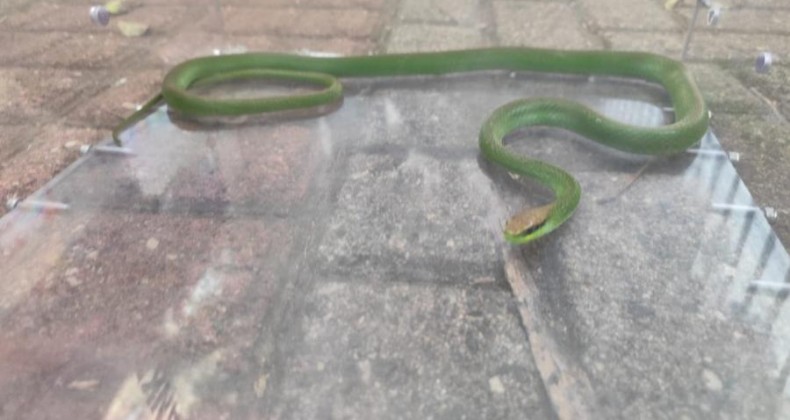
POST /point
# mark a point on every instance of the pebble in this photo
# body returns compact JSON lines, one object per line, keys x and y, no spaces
{"x":152,"y":244}
{"x":73,"y":281}
{"x":496,"y":385}
{"x":711,"y":380}
{"x":365,"y":371}
{"x":260,"y":385}
{"x":484,"y":280}
{"x":84,"y":385}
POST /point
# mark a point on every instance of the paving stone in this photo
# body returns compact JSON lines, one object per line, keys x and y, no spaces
{"x":764,"y":144}
{"x":686,"y":7}
{"x":310,"y":4}
{"x":386,"y":235}
{"x":19,"y":46}
{"x":730,"y":46}
{"x":770,"y":4}
{"x":89,"y":52}
{"x":365,"y":4}
{"x":282,"y":169}
{"x":193,"y":44}
{"x":106,"y":109}
{"x":455,"y":12}
{"x":543,"y":25}
{"x":775,"y":85}
{"x":665,"y":43}
{"x":627,"y":14}
{"x":411,"y":37}
{"x":620,"y":328}
{"x":315,"y":23}
{"x":12,"y":6}
{"x":43,"y":157}
{"x":723,"y":92}
{"x":13,"y":139}
{"x":373,"y":351}
{"x":41,"y":94}
{"x":745,"y":20}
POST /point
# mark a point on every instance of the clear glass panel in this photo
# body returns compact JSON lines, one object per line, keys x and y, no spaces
{"x":352,"y":265}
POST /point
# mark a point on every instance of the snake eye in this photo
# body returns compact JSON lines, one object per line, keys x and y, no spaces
{"x":528,"y":234}
{"x":532,"y":229}
{"x":528,"y":224}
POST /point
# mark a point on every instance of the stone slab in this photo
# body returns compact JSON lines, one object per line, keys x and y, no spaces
{"x":764,"y":143}
{"x":723,"y":92}
{"x":412,"y":37}
{"x":354,"y":23}
{"x":362,"y":350}
{"x":42,"y":94}
{"x":628,"y":14}
{"x":452,"y":12}
{"x":386,"y":235}
{"x":542,"y":25}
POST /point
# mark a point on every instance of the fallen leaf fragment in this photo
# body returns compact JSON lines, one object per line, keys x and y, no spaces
{"x":132,"y":29}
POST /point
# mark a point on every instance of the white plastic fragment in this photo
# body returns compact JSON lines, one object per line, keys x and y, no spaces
{"x":13,"y":203}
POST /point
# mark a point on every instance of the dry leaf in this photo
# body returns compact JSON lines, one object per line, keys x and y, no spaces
{"x":670,"y":4}
{"x":115,"y":7}
{"x":132,"y":29}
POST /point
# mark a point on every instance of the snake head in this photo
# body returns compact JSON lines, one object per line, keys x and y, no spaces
{"x":528,"y":224}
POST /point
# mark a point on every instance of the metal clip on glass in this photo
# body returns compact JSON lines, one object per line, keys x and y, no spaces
{"x":100,"y":15}
{"x":32,"y":204}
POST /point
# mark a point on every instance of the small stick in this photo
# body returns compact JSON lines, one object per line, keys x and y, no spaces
{"x":769,"y":102}
{"x":627,"y":186}
{"x":691,"y":31}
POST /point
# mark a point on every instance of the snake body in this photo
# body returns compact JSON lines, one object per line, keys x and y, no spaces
{"x":690,"y":124}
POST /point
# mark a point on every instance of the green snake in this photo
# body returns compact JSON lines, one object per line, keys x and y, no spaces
{"x":690,"y":123}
